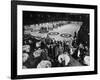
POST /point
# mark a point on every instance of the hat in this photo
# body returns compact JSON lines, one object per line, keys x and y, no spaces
{"x":37,"y":53}
{"x":44,"y":64}
{"x":87,"y":60}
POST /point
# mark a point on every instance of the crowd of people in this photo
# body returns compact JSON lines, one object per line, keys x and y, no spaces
{"x":47,"y":52}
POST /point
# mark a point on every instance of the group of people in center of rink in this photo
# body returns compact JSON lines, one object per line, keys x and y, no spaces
{"x":47,"y":52}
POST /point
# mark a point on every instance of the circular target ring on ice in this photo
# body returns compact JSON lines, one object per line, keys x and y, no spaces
{"x":53,"y":33}
{"x":66,"y":35}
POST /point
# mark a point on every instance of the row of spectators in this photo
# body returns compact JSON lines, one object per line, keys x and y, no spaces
{"x":45,"y":26}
